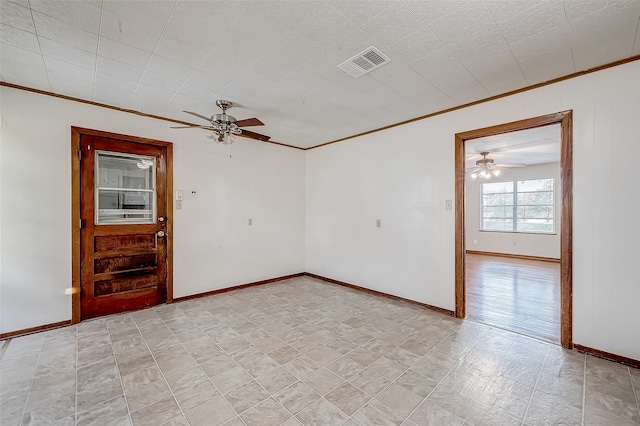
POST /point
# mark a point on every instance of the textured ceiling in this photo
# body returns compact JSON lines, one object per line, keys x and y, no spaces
{"x":277,"y":60}
{"x":532,"y":146}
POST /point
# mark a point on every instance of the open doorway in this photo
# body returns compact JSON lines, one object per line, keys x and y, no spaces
{"x":509,"y":144}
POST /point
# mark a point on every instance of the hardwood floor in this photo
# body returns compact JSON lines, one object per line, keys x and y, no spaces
{"x":515,"y":294}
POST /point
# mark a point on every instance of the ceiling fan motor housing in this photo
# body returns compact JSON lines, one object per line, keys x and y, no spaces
{"x":484,"y":162}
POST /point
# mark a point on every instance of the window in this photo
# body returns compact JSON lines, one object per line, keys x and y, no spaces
{"x":124,"y":188}
{"x":518,"y":206}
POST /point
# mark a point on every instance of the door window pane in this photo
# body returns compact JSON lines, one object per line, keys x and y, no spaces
{"x":125,"y":188}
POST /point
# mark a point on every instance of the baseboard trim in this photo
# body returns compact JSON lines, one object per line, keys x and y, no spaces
{"x":608,"y":356}
{"x":379,"y":293}
{"x":513,"y":256}
{"x":32,"y":330}
{"x":237,"y":287}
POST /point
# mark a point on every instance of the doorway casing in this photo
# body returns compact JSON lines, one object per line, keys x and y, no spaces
{"x":76,"y":134}
{"x":565,"y":118}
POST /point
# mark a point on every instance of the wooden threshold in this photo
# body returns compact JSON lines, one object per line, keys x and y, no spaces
{"x":513,"y":256}
{"x":379,"y":293}
{"x":32,"y":330}
{"x":608,"y":356}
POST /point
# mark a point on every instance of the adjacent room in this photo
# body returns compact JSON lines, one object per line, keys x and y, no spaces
{"x":512,"y":230}
{"x":262,"y":212}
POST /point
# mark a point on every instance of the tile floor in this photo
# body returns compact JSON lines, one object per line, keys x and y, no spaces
{"x":303,"y":351}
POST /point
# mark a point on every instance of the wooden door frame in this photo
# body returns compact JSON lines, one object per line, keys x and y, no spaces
{"x":565,"y":118}
{"x":76,"y":134}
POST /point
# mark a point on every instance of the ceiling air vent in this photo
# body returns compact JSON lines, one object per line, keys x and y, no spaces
{"x":364,"y":62}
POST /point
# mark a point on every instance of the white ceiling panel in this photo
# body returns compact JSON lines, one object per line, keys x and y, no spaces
{"x":119,"y":69}
{"x":161,"y":81}
{"x":24,"y":75}
{"x":78,"y":89}
{"x":578,"y":9}
{"x":21,"y":56}
{"x":65,"y":33}
{"x":63,"y":52}
{"x":201,"y":87}
{"x":16,"y":16}
{"x":394,"y":23}
{"x":119,"y":98}
{"x":253,"y":28}
{"x":79,"y":14}
{"x":151,"y":98}
{"x":498,"y":72}
{"x":432,"y":10}
{"x":542,"y":17}
{"x":104,"y":81}
{"x":549,"y":65}
{"x":325,"y":27}
{"x":287,"y":54}
{"x":121,"y":52}
{"x":277,"y":59}
{"x":128,"y":31}
{"x":287,"y":12}
{"x":180,"y":52}
{"x":169,"y":68}
{"x":247,"y":85}
{"x":360,"y":11}
{"x":19,"y":38}
{"x":541,"y":43}
{"x":151,"y":13}
{"x":75,"y":73}
{"x":202,"y":23}
{"x":414,"y":47}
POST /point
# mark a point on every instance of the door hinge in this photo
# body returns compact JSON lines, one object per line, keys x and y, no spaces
{"x":80,"y":223}
{"x":80,"y":154}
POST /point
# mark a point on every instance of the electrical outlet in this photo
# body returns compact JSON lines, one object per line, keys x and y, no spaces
{"x":378,"y":223}
{"x":250,"y":222}
{"x":448,"y":205}
{"x":178,"y":204}
{"x":475,"y":241}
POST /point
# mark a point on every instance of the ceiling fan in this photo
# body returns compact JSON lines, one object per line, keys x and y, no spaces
{"x":486,"y":167}
{"x":224,"y":126}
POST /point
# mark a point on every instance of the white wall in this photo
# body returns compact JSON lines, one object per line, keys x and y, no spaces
{"x":541,"y":245}
{"x":404,"y":175}
{"x":214,"y":246}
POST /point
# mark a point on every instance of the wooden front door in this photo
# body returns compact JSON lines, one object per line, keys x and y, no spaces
{"x":124,"y":224}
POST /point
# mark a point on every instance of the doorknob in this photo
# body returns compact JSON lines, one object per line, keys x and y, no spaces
{"x":161,"y":234}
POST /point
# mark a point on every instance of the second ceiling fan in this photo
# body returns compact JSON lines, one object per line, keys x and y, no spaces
{"x":486,"y":167}
{"x":224,"y":125}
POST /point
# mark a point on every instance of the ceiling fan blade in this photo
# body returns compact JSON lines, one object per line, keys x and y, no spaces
{"x":249,"y":122}
{"x":197,"y":115}
{"x":193,"y":126}
{"x":253,"y":135}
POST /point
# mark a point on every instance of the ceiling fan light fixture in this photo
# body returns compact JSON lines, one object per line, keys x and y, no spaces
{"x":496,"y":173}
